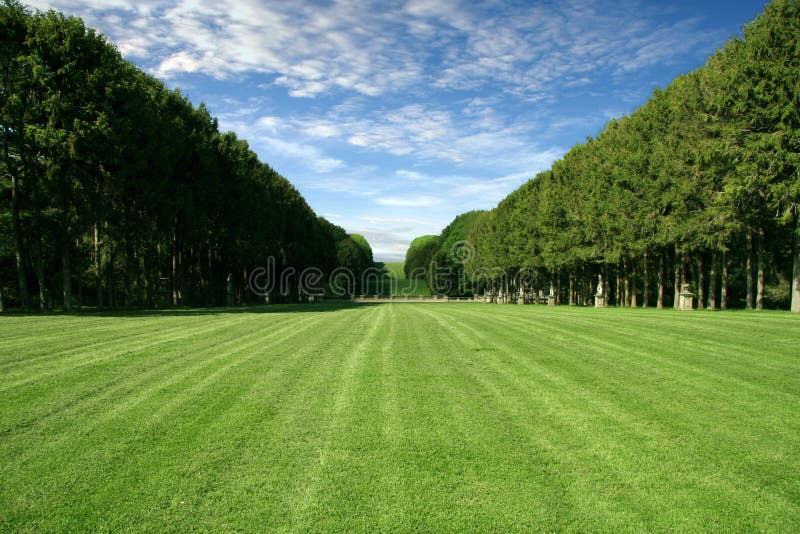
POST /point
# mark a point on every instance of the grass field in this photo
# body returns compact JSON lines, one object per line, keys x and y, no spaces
{"x":396,"y":284}
{"x":442,"y":417}
{"x":396,"y":269}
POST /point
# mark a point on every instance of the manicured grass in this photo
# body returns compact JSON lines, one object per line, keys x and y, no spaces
{"x":395,"y":283}
{"x":438,"y":417}
{"x":396,"y":269}
{"x":400,"y":288}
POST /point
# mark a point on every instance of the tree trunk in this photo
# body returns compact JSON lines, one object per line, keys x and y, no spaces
{"x":210,"y":289}
{"x":626,"y":280}
{"x":584,"y":296}
{"x":66,"y":239}
{"x":675,"y":301}
{"x":723,"y":300}
{"x":19,"y":246}
{"x":761,"y":281}
{"x":80,"y":290}
{"x":98,"y":280}
{"x":43,"y":294}
{"x":750,"y":272}
{"x":246,"y":294}
{"x":175,"y":283}
{"x":701,"y":281}
{"x":796,"y":271}
{"x":110,"y":282}
{"x":2,"y":302}
{"x":618,"y":289}
{"x":16,"y":223}
{"x":662,"y":276}
{"x":147,"y":286}
{"x":646,"y":290}
{"x":558,"y":287}
{"x":158,"y":287}
{"x":141,"y":281}
{"x":39,"y":248}
{"x":634,"y":301}
{"x":712,"y":282}
{"x":572,"y":301}
{"x":127,"y":290}
{"x":685,"y":268}
{"x":66,"y":275}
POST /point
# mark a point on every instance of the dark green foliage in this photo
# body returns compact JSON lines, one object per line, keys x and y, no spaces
{"x":458,"y":230}
{"x":701,"y":179}
{"x":440,"y":259}
{"x":419,"y":255}
{"x":119,"y":192}
{"x":366,"y":251}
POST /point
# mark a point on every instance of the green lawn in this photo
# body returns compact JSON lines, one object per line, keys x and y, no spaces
{"x":396,"y":284}
{"x":438,"y":417}
{"x":396,"y":269}
{"x":399,"y":288}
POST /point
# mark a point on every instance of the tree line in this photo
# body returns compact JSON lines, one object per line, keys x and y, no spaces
{"x":698,"y":186}
{"x":441,"y":259}
{"x":116,"y":191}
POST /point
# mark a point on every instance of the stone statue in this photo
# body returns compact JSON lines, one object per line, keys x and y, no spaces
{"x":686,"y":298}
{"x":600,"y":297}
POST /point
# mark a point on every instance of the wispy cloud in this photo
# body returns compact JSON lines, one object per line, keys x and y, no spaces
{"x":399,"y":220}
{"x":269,"y":136}
{"x":421,"y":201}
{"x":312,"y":156}
{"x":372,"y":49}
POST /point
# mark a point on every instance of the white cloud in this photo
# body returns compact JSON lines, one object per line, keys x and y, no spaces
{"x":421,"y":201}
{"x":411,"y":175}
{"x":321,"y":130}
{"x":399,"y":220}
{"x":311,"y":156}
{"x":367,"y":48}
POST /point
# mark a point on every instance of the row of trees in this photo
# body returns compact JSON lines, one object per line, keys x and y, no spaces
{"x":117,"y":191}
{"x":419,"y":256}
{"x":700,"y":185}
{"x":441,"y":259}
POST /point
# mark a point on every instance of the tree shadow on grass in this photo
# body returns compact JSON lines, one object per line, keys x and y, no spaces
{"x":319,"y":307}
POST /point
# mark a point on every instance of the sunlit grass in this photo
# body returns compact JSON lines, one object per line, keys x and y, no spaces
{"x":429,"y":416}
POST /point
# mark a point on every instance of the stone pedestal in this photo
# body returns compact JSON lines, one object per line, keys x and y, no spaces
{"x":685,"y":299}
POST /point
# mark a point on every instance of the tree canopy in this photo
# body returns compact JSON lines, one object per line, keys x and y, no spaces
{"x":117,"y":191}
{"x":698,"y":186}
{"x":439,"y":259}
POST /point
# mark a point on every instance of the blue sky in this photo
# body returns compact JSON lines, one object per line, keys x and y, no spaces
{"x":391,"y":118}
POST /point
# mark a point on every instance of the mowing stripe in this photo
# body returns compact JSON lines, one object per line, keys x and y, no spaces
{"x":733,"y":484}
{"x":311,"y":483}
